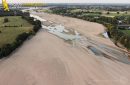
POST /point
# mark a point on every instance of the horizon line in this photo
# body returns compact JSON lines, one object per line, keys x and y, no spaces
{"x":68,"y":3}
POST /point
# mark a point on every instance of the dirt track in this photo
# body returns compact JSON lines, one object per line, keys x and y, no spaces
{"x":48,"y":60}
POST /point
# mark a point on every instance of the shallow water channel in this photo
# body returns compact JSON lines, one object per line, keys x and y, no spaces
{"x":61,"y":32}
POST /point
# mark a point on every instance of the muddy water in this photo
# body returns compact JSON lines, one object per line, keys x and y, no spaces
{"x":61,"y":32}
{"x":95,"y":51}
{"x":115,"y":54}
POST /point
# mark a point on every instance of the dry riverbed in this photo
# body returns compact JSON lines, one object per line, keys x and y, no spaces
{"x":47,"y":60}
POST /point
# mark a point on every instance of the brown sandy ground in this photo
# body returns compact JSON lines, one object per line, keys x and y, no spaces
{"x":48,"y":60}
{"x":89,"y":29}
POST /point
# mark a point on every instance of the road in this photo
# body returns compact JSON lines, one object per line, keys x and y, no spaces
{"x":48,"y":60}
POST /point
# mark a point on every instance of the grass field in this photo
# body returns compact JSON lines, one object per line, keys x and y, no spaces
{"x":114,"y":13}
{"x":17,"y":26}
{"x":126,"y":32}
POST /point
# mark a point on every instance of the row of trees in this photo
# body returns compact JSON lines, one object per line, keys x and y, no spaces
{"x":86,"y":15}
{"x":10,"y":13}
{"x":120,"y":37}
{"x":31,"y":20}
{"x":110,"y":22}
{"x":6,"y":49}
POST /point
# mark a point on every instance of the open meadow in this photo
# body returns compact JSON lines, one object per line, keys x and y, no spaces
{"x":14,"y":26}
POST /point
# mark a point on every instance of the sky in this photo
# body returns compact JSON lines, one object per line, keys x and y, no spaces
{"x":68,"y":1}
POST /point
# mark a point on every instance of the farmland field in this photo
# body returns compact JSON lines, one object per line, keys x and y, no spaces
{"x":126,"y":32}
{"x":11,"y":29}
{"x":114,"y":13}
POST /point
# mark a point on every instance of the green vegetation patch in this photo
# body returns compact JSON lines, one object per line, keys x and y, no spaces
{"x":115,"y":13}
{"x":127,"y":32}
{"x":12,"y":28}
{"x":33,"y":4}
